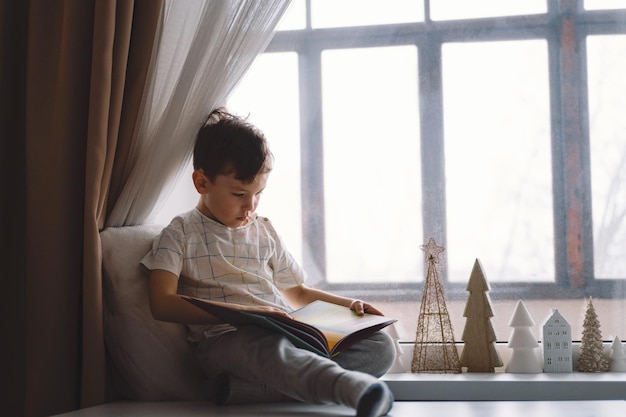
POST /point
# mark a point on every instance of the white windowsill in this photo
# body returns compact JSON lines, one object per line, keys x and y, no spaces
{"x":502,"y":386}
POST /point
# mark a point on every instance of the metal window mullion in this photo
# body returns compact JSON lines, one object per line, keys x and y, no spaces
{"x":312,"y":163}
{"x":572,"y":181}
{"x":432,"y":146}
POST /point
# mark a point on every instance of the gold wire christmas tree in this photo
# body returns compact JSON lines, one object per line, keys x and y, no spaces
{"x":435,"y":351}
{"x":592,"y":357}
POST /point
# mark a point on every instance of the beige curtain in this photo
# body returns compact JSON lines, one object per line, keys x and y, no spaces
{"x":71,"y":81}
{"x":118,"y":80}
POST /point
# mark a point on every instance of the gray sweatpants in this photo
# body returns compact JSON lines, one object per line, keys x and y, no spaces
{"x":261,"y":356}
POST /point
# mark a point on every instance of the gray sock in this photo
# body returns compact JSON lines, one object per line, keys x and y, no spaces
{"x":376,"y":401}
{"x":367,"y":394}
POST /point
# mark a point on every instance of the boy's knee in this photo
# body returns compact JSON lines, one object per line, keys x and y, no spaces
{"x":374,"y":355}
{"x":385,"y":353}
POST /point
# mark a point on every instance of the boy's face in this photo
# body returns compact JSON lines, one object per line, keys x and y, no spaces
{"x":228,"y":200}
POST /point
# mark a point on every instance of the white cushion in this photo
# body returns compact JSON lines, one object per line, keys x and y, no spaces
{"x":152,"y":358}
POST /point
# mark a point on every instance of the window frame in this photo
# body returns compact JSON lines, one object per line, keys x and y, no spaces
{"x":565,"y":28}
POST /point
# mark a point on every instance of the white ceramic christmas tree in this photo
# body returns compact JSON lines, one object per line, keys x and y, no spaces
{"x":617,"y":356}
{"x":524,"y":359}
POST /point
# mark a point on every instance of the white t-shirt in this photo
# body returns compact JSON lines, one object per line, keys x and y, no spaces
{"x":246,"y":265}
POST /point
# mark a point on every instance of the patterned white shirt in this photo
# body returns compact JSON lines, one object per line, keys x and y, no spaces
{"x":246,"y":265}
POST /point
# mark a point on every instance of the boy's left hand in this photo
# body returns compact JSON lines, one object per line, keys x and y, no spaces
{"x":360,"y":307}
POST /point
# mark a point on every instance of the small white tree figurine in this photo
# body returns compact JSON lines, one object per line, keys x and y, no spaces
{"x":524,"y":360}
{"x":592,"y":357}
{"x":557,"y":344}
{"x":617,"y":356}
{"x":479,"y":352}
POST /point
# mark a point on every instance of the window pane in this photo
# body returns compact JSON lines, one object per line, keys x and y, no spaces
{"x":604,"y":4}
{"x":463,"y":9}
{"x":295,"y":16}
{"x":498,"y":162}
{"x":607,"y":99}
{"x":269,"y":94}
{"x":337,"y":13}
{"x":371,"y":165}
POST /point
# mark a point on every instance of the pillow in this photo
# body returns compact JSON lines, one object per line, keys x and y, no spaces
{"x":152,"y":360}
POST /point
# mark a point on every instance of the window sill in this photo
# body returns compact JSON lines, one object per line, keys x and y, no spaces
{"x":502,"y":386}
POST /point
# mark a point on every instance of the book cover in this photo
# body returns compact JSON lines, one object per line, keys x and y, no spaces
{"x":321,"y":327}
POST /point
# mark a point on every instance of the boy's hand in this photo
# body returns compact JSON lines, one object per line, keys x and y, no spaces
{"x":266,"y":309}
{"x":360,"y":307}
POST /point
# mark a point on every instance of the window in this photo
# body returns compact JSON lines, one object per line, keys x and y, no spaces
{"x":371,"y":192}
{"x":496,"y":129}
{"x":498,"y":123}
{"x":607,"y":141}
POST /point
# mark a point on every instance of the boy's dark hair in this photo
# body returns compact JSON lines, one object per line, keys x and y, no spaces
{"x":227,"y":143}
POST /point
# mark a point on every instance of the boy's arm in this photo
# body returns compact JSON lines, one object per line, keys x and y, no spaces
{"x":167,"y":305}
{"x":302,"y":295}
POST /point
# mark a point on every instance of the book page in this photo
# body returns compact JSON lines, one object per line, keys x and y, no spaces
{"x":335,"y":321}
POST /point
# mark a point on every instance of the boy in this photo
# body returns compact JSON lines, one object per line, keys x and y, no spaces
{"x":222,"y":251}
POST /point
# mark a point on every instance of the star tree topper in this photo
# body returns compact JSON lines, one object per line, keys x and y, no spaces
{"x":432,"y":250}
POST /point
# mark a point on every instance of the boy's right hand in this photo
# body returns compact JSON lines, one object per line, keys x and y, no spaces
{"x":265,"y":310}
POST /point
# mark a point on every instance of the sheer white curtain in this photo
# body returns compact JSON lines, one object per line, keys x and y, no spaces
{"x":204,"y":49}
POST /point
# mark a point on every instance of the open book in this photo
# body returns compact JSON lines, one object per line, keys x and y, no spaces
{"x":321,"y":327}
